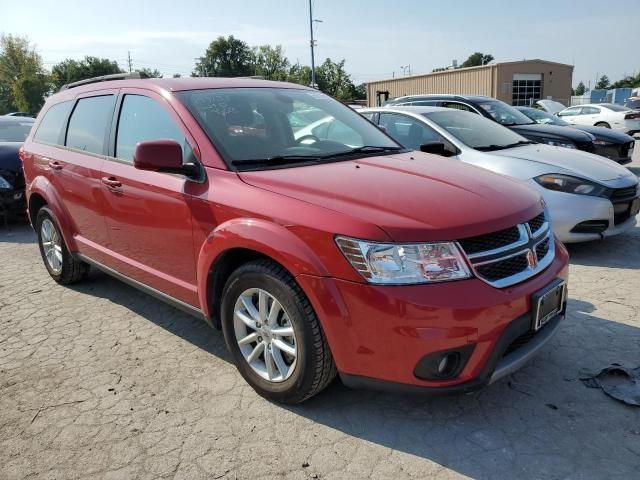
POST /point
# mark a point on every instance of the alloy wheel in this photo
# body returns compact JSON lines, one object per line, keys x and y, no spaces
{"x":265,"y":335}
{"x":51,"y":245}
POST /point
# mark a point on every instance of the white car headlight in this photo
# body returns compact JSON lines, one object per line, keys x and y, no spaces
{"x":4,"y":184}
{"x":559,"y":143}
{"x":388,"y":263}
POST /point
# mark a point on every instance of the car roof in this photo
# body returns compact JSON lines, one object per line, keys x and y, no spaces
{"x":441,"y":96}
{"x":175,"y":85}
{"x":407,"y":108}
{"x":14,"y":119}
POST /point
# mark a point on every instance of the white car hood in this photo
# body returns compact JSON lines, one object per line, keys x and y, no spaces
{"x":585,"y":165}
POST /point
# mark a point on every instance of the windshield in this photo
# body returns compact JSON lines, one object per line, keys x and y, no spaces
{"x":505,"y":114}
{"x":476,"y":131}
{"x":544,"y":118}
{"x":14,"y":131}
{"x":270,"y":127}
{"x":615,"y":108}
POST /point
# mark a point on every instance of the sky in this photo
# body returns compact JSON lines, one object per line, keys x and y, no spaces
{"x":375,"y":37}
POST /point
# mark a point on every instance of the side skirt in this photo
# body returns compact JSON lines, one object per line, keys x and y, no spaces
{"x":174,"y":302}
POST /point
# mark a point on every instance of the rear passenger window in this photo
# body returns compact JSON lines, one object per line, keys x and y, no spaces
{"x":50,"y":129}
{"x":142,"y":118}
{"x":89,"y":122}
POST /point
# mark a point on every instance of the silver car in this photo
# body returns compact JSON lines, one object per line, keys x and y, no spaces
{"x":588,"y":197}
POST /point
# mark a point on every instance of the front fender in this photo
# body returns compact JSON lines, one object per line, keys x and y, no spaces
{"x":268,"y":238}
{"x":41,"y":186}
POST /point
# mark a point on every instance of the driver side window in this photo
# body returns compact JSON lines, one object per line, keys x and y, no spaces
{"x":407,"y":131}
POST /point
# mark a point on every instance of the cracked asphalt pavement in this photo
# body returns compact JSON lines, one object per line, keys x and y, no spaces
{"x":102,"y":381}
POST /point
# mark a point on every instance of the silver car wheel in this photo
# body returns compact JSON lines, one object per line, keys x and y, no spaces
{"x":51,"y":245}
{"x":265,"y":335}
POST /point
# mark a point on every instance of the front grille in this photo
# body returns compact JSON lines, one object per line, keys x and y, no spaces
{"x":519,"y":342}
{"x":542,"y":249}
{"x":591,"y":226}
{"x":512,"y":255}
{"x":490,"y":241}
{"x":622,"y":194}
{"x":586,"y":146}
{"x":536,"y":223}
{"x":503,"y":268}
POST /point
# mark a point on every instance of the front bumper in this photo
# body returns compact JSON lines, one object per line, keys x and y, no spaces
{"x":12,"y":202}
{"x":381,"y":333}
{"x":619,"y":153}
{"x":567,"y":211}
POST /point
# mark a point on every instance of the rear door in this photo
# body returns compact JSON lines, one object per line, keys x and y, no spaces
{"x":75,"y":164}
{"x":148,"y":214}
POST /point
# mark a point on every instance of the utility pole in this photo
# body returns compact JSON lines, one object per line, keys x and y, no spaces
{"x":312,"y":43}
{"x":129,"y":60}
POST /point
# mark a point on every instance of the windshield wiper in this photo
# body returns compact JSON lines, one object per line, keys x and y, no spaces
{"x":276,"y":160}
{"x":363,"y":149}
{"x":491,"y":148}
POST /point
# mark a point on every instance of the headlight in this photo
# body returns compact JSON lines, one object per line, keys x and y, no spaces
{"x":569,"y":184}
{"x":385,"y":263}
{"x":4,"y":184}
{"x":559,"y":143}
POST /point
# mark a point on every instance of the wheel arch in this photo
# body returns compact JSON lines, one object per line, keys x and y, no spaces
{"x":237,"y":242}
{"x":42,"y":193}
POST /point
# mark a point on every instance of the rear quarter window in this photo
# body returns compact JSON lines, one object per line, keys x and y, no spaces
{"x":51,"y":127}
{"x":88,"y":124}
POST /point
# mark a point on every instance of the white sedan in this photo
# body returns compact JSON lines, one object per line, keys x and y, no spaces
{"x":588,"y":197}
{"x":608,"y":115}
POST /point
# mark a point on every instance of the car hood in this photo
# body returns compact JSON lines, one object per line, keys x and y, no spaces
{"x":551,"y":106}
{"x":552,"y":131}
{"x":9,"y":159}
{"x":573,"y":162}
{"x":605,"y":134}
{"x":411,"y":196}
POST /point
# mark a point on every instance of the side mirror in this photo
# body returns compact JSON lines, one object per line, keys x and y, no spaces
{"x":383,"y":128}
{"x":162,"y":156}
{"x":436,"y":148}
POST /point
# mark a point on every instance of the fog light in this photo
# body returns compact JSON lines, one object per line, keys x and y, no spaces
{"x":444,"y":364}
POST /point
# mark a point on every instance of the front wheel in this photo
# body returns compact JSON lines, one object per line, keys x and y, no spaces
{"x":273,"y":334}
{"x":60,"y":264}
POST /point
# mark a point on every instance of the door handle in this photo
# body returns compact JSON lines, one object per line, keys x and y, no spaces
{"x":111,"y":182}
{"x":55,"y":165}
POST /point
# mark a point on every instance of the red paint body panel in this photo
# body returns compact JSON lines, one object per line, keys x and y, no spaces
{"x":167,"y":232}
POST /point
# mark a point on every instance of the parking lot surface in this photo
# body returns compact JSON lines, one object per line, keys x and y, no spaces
{"x":102,"y":381}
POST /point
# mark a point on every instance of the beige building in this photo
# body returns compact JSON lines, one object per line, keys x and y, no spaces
{"x":512,"y":82}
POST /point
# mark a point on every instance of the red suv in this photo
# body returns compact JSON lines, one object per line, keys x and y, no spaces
{"x":318,"y":247}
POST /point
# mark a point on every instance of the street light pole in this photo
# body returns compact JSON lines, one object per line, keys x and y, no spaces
{"x":312,"y":43}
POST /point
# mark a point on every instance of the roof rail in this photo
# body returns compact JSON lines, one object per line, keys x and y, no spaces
{"x":106,"y":78}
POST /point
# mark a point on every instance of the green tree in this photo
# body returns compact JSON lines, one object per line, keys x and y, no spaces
{"x":70,"y":70}
{"x":155,"y":73}
{"x":477,"y":59}
{"x":630,"y":81}
{"x":603,"y":83}
{"x":300,"y":74}
{"x":333,"y":80}
{"x":361,"y":92}
{"x":23,"y":80}
{"x":580,"y":89}
{"x":225,"y":57}
{"x":270,"y":62}
{"x":176,"y":75}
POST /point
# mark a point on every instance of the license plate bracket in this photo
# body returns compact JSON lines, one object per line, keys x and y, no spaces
{"x":547,"y":303}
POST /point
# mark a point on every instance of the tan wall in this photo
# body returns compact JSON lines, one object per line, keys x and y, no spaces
{"x":556,"y":79}
{"x":491,"y":80}
{"x":470,"y":81}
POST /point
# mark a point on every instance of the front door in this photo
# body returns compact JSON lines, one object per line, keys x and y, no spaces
{"x":148,"y":214}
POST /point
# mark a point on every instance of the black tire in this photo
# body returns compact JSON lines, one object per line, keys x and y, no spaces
{"x":602,"y":124}
{"x":315,"y":368}
{"x":73,"y":270}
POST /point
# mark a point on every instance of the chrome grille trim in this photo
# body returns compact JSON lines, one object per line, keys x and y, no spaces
{"x":530,"y":241}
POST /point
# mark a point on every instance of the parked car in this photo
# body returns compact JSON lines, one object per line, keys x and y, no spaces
{"x":18,"y":114}
{"x":549,"y":106}
{"x":633,"y":103}
{"x":13,"y":131}
{"x":505,"y":115}
{"x":611,"y":144}
{"x":607,"y":115}
{"x":398,"y":269}
{"x":588,"y":196}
